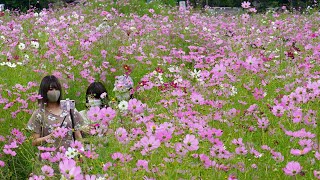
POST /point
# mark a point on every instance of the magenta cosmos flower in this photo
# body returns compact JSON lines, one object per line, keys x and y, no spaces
{"x":107,"y":114}
{"x":245,"y":4}
{"x":66,"y":165}
{"x":316,"y":174}
{"x":122,"y":135}
{"x":293,"y":168}
{"x":47,"y":170}
{"x":142,"y":165}
{"x":150,"y":143}
{"x":94,"y":114}
{"x":191,"y":142}
{"x":278,"y":110}
{"x":197,"y":98}
{"x":135,"y":106}
{"x":2,"y":164}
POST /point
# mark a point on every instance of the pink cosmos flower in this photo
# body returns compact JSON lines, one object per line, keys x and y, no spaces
{"x":135,"y":106}
{"x":2,"y":164}
{"x":232,"y":177}
{"x":76,"y":145}
{"x":47,"y":170}
{"x":104,"y":13}
{"x":218,"y":71}
{"x":150,"y":143}
{"x":237,"y":142}
{"x":292,"y":168}
{"x":106,"y":166}
{"x":107,"y":114}
{"x":45,"y":155}
{"x":305,"y":142}
{"x":122,"y":135}
{"x":241,"y":150}
{"x":88,"y":177}
{"x":258,"y":93}
{"x":317,"y":155}
{"x":253,"y":10}
{"x":60,"y":132}
{"x":265,"y":147}
{"x":127,"y":158}
{"x":42,"y":148}
{"x":9,"y":151}
{"x":142,"y":165}
{"x":66,"y":165}
{"x":35,"y":177}
{"x":104,"y":54}
{"x":94,"y":114}
{"x":297,"y":115}
{"x":12,"y":145}
{"x":117,"y":156}
{"x":245,"y":4}
{"x":205,"y":160}
{"x":298,"y":152}
{"x":180,"y":149}
{"x":197,"y":98}
{"x":316,"y":174}
{"x":163,"y":135}
{"x":277,"y":156}
{"x":2,"y":139}
{"x":278,"y":110}
{"x":263,"y":123}
{"x":245,"y":18}
{"x":75,"y":173}
{"x":191,"y":142}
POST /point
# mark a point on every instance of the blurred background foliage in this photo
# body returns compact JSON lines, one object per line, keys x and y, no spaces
{"x":24,"y":5}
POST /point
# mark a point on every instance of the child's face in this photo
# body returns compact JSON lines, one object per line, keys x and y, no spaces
{"x":93,"y":102}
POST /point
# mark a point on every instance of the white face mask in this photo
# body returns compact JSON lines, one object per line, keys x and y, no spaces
{"x":94,"y":102}
{"x":53,"y":95}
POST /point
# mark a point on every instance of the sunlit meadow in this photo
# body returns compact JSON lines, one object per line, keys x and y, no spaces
{"x":215,"y":97}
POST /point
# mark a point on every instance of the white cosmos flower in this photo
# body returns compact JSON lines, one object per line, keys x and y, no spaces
{"x":100,"y":178}
{"x":160,"y":78}
{"x":35,"y":44}
{"x":234,"y":91}
{"x":195,"y":73}
{"x":21,"y":46}
{"x":133,"y":28}
{"x":178,"y":80}
{"x":174,"y":69}
{"x":75,"y":15}
{"x":71,"y":153}
{"x":9,"y":64}
{"x":123,"y":105}
{"x":71,"y":30}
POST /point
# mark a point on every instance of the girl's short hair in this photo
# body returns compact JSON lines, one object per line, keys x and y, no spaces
{"x":95,"y":90}
{"x":47,"y":83}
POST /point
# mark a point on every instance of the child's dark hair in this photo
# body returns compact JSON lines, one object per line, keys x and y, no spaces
{"x":47,"y":83}
{"x":95,"y":90}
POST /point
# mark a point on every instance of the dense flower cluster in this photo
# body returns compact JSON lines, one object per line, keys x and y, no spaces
{"x":233,"y":95}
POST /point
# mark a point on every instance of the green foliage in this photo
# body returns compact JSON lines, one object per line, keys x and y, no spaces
{"x":24,"y":5}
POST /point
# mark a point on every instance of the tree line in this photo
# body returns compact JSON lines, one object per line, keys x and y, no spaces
{"x":24,"y":5}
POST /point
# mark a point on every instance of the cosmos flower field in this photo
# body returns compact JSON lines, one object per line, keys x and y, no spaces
{"x":215,"y":97}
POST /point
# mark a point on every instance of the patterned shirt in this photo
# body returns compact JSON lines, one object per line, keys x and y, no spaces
{"x":43,"y":122}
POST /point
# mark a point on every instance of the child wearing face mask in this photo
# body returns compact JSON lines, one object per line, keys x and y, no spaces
{"x":96,"y":95}
{"x":122,"y":88}
{"x":46,"y":120}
